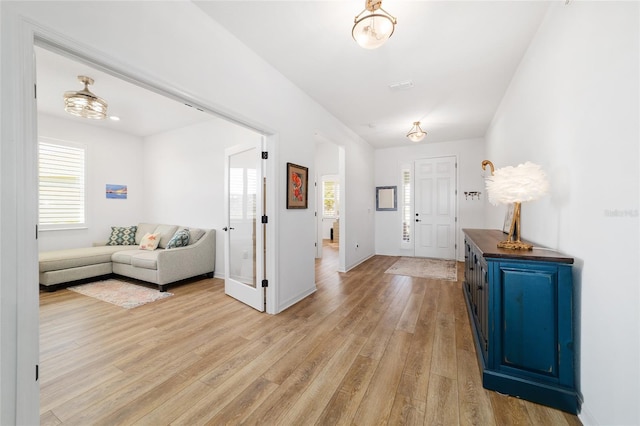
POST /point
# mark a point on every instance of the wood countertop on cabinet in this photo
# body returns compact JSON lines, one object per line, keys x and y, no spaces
{"x":487,"y":240}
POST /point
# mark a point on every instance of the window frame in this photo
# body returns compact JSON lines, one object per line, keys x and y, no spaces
{"x":406,"y":207}
{"x":67,"y":144}
{"x":336,"y":196}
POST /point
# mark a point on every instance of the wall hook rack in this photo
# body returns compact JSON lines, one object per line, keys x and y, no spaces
{"x":472,"y":194}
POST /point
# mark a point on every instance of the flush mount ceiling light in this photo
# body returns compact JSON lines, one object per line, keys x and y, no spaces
{"x":373,"y":26}
{"x":84,"y":103}
{"x":416,"y":134}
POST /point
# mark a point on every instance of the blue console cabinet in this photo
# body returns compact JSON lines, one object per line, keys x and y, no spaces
{"x":521,"y":307}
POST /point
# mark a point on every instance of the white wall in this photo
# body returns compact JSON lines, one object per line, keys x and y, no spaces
{"x":357,"y":202}
{"x":388,"y":163}
{"x":149,"y":39}
{"x":176,"y":46}
{"x":572,"y":107}
{"x":184,"y":176}
{"x":111,"y":157}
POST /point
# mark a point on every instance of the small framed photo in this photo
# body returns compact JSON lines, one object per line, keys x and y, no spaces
{"x":297,"y":186}
{"x":508,"y":218}
{"x":116,"y":191}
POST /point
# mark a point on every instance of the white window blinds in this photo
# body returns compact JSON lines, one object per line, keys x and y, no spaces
{"x":61,"y":185}
{"x":330,"y":197}
{"x":406,"y":205}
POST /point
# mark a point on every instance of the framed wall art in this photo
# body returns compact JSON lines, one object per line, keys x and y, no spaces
{"x":116,"y":191}
{"x":297,"y":186}
{"x":386,"y":198}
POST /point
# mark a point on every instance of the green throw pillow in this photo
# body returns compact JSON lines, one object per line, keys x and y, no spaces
{"x":179,"y":239}
{"x":122,"y":236}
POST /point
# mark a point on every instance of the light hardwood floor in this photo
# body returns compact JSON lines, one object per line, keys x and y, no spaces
{"x":367,"y":348}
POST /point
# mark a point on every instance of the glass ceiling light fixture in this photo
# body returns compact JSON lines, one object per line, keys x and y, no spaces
{"x":416,"y":134}
{"x":84,"y":103}
{"x":373,"y":26}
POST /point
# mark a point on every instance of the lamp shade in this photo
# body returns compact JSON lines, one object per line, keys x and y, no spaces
{"x":85,"y":104}
{"x":373,"y":26}
{"x":416,"y":134}
{"x":525,"y":182}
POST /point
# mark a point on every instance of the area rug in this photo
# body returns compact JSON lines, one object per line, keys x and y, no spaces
{"x":120,"y":293}
{"x":420,"y":267}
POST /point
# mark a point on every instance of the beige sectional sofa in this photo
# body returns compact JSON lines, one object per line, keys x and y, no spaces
{"x":161,"y":266}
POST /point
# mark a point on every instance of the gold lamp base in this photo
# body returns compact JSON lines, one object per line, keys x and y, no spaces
{"x":514,"y":245}
{"x":513,"y":241}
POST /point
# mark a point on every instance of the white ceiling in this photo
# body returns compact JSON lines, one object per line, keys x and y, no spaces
{"x":141,"y":111}
{"x":460,"y":57}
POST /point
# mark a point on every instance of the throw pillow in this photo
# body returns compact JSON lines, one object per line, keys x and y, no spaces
{"x":150,"y":241}
{"x":179,"y":239}
{"x":122,"y":236}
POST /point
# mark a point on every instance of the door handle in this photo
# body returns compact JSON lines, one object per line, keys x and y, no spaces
{"x":227,"y":229}
{"x":418,"y":220}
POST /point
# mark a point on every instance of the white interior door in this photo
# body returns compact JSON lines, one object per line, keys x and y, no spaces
{"x":244,"y":253}
{"x":435,"y":211}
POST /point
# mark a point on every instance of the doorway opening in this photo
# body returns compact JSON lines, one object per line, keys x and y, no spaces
{"x":329,"y":198}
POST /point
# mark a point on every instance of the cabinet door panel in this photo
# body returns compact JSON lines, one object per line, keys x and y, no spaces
{"x":529,"y":320}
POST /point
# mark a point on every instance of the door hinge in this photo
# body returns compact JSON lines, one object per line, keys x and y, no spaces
{"x":37,"y":372}
{"x":265,"y":283}
{"x":36,"y":231}
{"x":456,"y":219}
{"x":265,"y":219}
{"x":35,"y":91}
{"x":265,"y":155}
{"x":315,"y":244}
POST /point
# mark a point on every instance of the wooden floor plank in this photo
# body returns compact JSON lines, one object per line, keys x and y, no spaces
{"x":366,"y":348}
{"x":377,"y":403}
{"x":442,"y":402}
{"x":473,"y":401}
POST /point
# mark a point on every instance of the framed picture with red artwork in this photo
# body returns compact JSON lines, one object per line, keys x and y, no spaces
{"x":297,"y":186}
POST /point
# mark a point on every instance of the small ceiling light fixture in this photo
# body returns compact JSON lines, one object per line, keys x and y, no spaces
{"x":373,"y":26}
{"x":84,"y":103}
{"x":416,"y":134}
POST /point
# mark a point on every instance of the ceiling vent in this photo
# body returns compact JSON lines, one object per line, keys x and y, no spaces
{"x":401,"y":85}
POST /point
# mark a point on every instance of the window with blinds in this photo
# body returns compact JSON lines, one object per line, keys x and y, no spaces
{"x":61,"y":185}
{"x":405,"y":197}
{"x":330,"y":197}
{"x":242,"y":193}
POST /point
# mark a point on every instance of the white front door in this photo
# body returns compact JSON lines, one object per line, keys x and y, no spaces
{"x":435,"y":212}
{"x":244,"y":253}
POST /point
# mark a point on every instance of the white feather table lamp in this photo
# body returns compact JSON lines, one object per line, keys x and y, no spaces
{"x":525,"y":182}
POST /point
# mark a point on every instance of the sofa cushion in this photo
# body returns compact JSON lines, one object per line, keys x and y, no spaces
{"x":179,"y":239}
{"x":166,"y":232}
{"x":122,"y":236}
{"x":124,"y":256}
{"x":74,"y":258}
{"x":195,"y":234}
{"x":145,"y":260}
{"x":143,"y":228}
{"x":150,"y":241}
{"x":139,"y":258}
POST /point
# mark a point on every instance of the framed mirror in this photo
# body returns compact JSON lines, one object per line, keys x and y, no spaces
{"x":386,"y":198}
